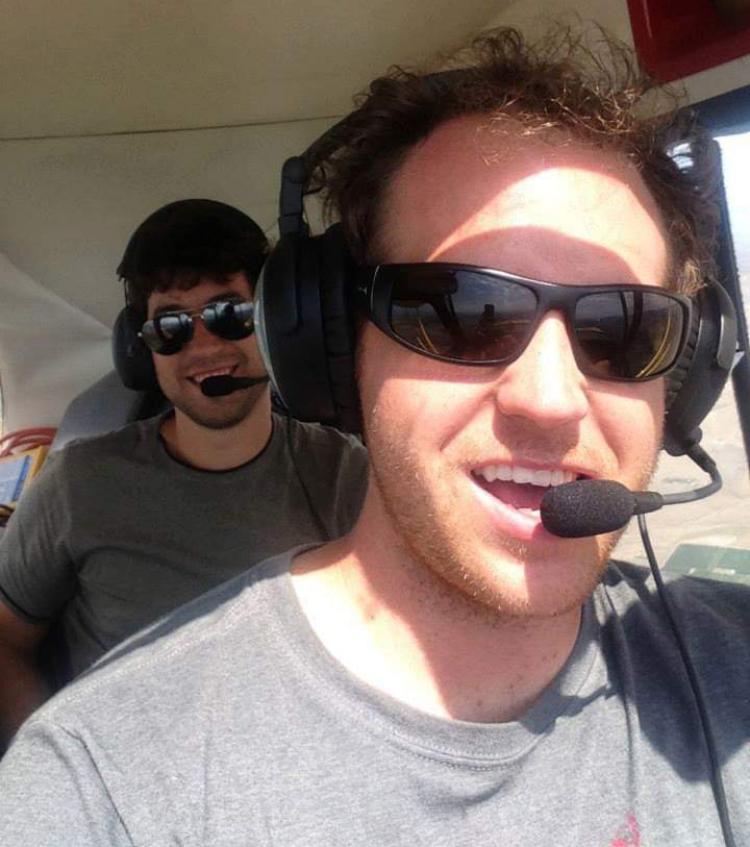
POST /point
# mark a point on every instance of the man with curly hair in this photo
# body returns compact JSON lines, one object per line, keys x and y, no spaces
{"x":449,"y":673}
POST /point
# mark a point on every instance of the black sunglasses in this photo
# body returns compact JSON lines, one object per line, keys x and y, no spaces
{"x":168,"y":333}
{"x":478,"y":316}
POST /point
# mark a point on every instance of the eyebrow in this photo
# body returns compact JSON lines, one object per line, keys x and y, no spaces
{"x":172,"y":308}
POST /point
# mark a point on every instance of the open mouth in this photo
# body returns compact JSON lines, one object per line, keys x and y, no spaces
{"x":198,"y":378}
{"x":519,"y":487}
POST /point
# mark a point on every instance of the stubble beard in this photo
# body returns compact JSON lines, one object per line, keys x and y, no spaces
{"x":223,"y":415}
{"x":418,"y":504}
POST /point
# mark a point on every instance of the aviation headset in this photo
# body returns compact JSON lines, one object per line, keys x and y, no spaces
{"x":132,"y":359}
{"x":306,"y":324}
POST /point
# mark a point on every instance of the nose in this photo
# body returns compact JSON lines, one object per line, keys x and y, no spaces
{"x":544,"y":385}
{"x":202,"y":337}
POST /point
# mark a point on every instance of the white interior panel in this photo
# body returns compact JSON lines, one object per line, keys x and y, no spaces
{"x":56,"y":351}
{"x":69,"y":206}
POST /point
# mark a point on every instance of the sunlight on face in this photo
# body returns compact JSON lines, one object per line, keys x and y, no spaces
{"x":537,"y":199}
{"x":570,"y":215}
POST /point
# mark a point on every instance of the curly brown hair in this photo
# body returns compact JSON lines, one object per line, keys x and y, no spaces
{"x":560,"y":83}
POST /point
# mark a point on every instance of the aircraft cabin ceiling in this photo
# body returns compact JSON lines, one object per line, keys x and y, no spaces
{"x":90,"y":86}
{"x":89,"y":66}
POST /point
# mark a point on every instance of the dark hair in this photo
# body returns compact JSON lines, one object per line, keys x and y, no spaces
{"x":186,"y":241}
{"x":594,"y":95}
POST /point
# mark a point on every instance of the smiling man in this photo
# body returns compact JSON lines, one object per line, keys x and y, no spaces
{"x":543,"y":209}
{"x":122,"y":528}
{"x":450,"y":673}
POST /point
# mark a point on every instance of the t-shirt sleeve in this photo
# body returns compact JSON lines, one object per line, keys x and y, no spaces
{"x":52,"y":793}
{"x":334,"y":468}
{"x":37,"y":575}
{"x":351,"y":485}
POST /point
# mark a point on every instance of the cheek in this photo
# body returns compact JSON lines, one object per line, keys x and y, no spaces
{"x":164,"y":369}
{"x":631,"y":419}
{"x":252,"y":352}
{"x":406,"y":395}
{"x":385,"y":394}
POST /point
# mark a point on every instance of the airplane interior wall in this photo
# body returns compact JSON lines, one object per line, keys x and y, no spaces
{"x":56,"y":351}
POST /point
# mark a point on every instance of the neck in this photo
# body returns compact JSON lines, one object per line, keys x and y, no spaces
{"x":395,"y":625}
{"x":219,"y":449}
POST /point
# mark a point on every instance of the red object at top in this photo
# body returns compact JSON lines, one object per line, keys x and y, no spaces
{"x":676,"y":38}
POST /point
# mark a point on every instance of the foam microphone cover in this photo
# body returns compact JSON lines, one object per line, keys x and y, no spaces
{"x":219,"y":386}
{"x":586,"y":507}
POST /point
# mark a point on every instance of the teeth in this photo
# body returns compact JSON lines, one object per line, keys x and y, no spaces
{"x":522,"y":475}
{"x":558,"y":477}
{"x":525,"y":476}
{"x":490,"y":473}
{"x":504,"y":473}
{"x":220,"y":372}
{"x":542,"y":478}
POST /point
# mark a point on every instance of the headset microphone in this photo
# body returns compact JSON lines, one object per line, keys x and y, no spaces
{"x":220,"y":386}
{"x":592,"y":506}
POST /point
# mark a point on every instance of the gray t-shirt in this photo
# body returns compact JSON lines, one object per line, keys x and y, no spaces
{"x":230,"y":725}
{"x":115,"y":532}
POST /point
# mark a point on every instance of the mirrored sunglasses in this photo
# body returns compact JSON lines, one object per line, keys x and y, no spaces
{"x":168,"y":333}
{"x":479,"y":316}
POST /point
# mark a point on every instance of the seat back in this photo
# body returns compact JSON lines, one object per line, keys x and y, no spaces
{"x":106,"y":406}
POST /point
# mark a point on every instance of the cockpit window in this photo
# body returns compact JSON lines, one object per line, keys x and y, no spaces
{"x":710,"y":537}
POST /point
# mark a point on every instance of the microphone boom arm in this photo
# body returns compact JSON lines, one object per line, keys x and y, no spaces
{"x":705,"y":463}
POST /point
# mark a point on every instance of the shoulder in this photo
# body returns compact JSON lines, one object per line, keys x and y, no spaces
{"x":720,"y":609}
{"x":713,"y":615}
{"x":324,"y":441}
{"x":227,"y":611}
{"x":72,"y":477}
{"x":78,"y":459}
{"x":116,"y":442}
{"x":630,"y":583}
{"x":180,"y":658}
{"x":152,"y":718}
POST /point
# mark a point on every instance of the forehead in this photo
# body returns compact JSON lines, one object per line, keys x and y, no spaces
{"x":207,"y":289}
{"x":547,"y":207}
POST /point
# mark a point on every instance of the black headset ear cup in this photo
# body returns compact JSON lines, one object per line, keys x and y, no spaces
{"x":697,"y":380}
{"x":339,"y":331}
{"x":133,"y":361}
{"x":307,"y":334}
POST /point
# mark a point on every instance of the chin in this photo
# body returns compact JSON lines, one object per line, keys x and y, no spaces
{"x":221,"y":412}
{"x":225,"y":420}
{"x":516,"y":584}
